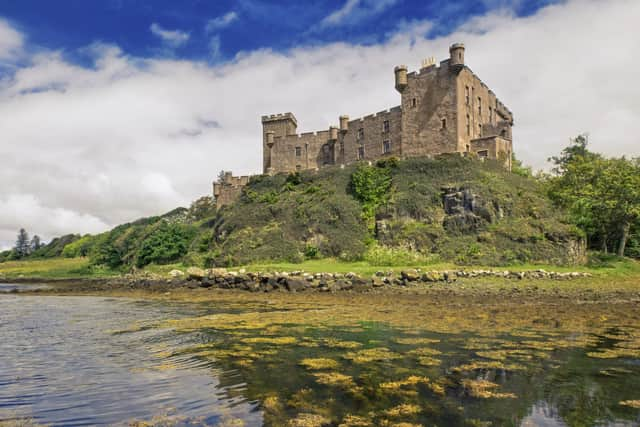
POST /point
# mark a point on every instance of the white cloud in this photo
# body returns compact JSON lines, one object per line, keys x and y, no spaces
{"x":27,"y":210}
{"x":214,"y":47}
{"x":11,"y":41}
{"x":132,"y":137}
{"x":221,"y":22}
{"x":354,"y":11}
{"x":173,"y":38}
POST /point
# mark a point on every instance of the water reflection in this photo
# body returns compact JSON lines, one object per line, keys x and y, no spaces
{"x":61,"y":364}
{"x":285,"y":362}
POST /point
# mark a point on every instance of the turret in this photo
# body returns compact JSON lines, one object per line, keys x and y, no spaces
{"x":333,"y":133}
{"x":456,"y":55}
{"x":344,"y":123}
{"x":401,"y":77}
{"x":270,"y":138}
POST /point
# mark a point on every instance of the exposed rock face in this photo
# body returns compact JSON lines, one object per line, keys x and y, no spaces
{"x":465,"y":211}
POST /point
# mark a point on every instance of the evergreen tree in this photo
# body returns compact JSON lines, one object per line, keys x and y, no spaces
{"x":36,"y":243}
{"x":23,"y":247}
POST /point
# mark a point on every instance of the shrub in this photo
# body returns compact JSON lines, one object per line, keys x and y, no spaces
{"x":397,"y":256}
{"x":371,"y":186}
{"x":167,"y":243}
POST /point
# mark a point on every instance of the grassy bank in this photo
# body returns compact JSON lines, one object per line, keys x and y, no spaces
{"x":53,"y":268}
{"x":78,"y":268}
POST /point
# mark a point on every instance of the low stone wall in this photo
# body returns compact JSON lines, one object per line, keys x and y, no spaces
{"x":330,"y":282}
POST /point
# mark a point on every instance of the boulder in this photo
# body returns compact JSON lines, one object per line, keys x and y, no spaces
{"x":410,"y":275}
{"x":195,"y":273}
{"x":176,"y":273}
{"x":295,"y":285}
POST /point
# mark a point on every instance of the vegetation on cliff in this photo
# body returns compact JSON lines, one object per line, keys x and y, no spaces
{"x":452,"y":209}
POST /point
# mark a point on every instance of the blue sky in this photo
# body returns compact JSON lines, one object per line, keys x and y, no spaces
{"x":234,"y":26}
{"x":112,"y":110}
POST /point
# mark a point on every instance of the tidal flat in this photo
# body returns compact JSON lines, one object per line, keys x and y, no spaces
{"x":472,"y":353}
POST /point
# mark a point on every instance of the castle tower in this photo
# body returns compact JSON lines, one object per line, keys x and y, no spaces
{"x":456,"y":56}
{"x":401,"y":77}
{"x":274,"y":128}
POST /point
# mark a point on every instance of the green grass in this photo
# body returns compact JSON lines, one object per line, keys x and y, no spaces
{"x":613,"y":268}
{"x":61,"y":268}
{"x":53,"y":268}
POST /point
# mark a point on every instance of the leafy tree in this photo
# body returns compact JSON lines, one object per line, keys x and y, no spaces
{"x":35,"y":244}
{"x":601,"y":194}
{"x":371,"y":186}
{"x":22,"y":248}
{"x":167,"y":243}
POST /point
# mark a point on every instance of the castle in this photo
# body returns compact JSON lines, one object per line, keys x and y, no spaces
{"x":444,"y":108}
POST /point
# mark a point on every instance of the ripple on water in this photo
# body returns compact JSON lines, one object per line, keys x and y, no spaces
{"x":61,"y":364}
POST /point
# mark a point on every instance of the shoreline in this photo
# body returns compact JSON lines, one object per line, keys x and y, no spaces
{"x":483,"y":290}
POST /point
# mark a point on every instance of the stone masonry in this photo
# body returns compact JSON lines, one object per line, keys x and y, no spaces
{"x":444,"y":108}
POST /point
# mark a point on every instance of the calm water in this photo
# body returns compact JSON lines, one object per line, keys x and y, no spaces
{"x":105,"y":361}
{"x":62,"y":362}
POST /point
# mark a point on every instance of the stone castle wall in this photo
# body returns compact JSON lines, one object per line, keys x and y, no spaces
{"x":227,"y":189}
{"x":367,"y":136}
{"x":429,"y":112}
{"x":445,"y":108}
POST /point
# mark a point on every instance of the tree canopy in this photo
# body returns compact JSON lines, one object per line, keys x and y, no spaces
{"x":602,"y":195}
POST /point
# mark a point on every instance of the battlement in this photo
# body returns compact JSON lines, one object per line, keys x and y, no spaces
{"x":444,"y":107}
{"x":279,"y":117}
{"x":228,"y":188}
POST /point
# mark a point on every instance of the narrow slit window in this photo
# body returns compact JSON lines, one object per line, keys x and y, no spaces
{"x":361,"y":133}
{"x":466,"y":94}
{"x":360,"y":153}
{"x":480,"y":107}
{"x":444,"y":123}
{"x":385,"y":126}
{"x":468,"y":126}
{"x":414,"y":102}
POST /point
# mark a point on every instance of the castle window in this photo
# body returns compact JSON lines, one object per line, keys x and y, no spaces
{"x":385,"y":126}
{"x":444,"y":123}
{"x":361,"y":133}
{"x":298,"y":151}
{"x":466,"y":94}
{"x":479,"y":129}
{"x":480,"y":107}
{"x":483,"y":154}
{"x":386,"y":147}
{"x":360,"y":153}
{"x":414,"y":102}
{"x":468,"y":126}
{"x":490,"y":115}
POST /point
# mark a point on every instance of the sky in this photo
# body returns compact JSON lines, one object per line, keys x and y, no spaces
{"x":112,"y":110}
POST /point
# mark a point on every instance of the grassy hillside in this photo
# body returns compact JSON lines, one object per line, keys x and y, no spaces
{"x":319,"y":214}
{"x":414,"y":212}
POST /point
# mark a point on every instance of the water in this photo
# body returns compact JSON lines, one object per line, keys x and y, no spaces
{"x":63,"y":363}
{"x":268,"y":360}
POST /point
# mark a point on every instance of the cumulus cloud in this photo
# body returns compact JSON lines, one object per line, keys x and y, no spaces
{"x":173,"y":38}
{"x":354,"y":11}
{"x":28,"y":209}
{"x":131,"y":137}
{"x":221,"y":22}
{"x":11,"y":41}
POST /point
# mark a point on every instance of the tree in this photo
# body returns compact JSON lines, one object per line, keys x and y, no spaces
{"x":36,"y":243}
{"x":601,"y":194}
{"x":22,"y":247}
